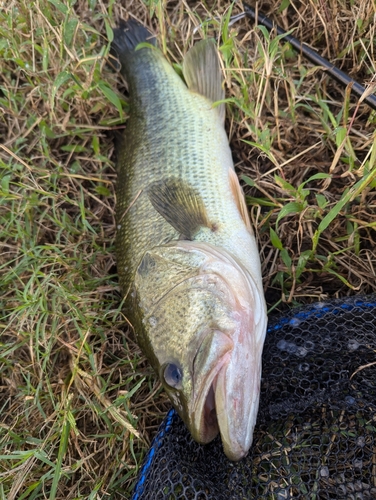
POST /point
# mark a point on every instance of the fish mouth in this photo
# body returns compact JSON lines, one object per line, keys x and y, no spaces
{"x":228,"y":407}
{"x":212,"y":357}
{"x":227,"y":373}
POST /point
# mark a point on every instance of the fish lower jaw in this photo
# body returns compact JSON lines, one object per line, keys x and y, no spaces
{"x":237,"y":400}
{"x":235,"y":446}
{"x":235,"y":454}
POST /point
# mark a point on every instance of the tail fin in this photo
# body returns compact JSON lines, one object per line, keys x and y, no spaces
{"x":127,"y":36}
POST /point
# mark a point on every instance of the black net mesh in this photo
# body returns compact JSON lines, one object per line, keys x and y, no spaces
{"x":315,"y":437}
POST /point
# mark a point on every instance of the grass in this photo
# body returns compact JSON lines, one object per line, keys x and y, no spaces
{"x":79,"y":403}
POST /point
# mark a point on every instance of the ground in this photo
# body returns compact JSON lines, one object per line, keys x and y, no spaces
{"x":79,"y":402}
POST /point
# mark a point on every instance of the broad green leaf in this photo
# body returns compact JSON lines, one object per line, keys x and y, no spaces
{"x":264,"y":31}
{"x":261,"y":147}
{"x":332,"y":214}
{"x":60,"y":6}
{"x":61,"y":78}
{"x":284,"y":5}
{"x":284,"y":184}
{"x":75,"y":148}
{"x":321,"y":200}
{"x":303,"y":193}
{"x":349,"y":227}
{"x":43,"y":457}
{"x":340,"y":135}
{"x":109,"y":32}
{"x":286,"y":258}
{"x":315,"y":177}
{"x":103,"y":190}
{"x":303,"y":258}
{"x":69,"y":30}
{"x":111,"y":96}
{"x":291,"y":208}
{"x":5,"y":181}
{"x":95,"y":144}
{"x":276,"y":242}
{"x":248,"y":180}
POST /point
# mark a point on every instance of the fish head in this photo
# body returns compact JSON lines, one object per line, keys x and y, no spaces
{"x":203,"y":327}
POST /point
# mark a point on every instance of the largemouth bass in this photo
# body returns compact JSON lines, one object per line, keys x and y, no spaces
{"x":187,"y":258}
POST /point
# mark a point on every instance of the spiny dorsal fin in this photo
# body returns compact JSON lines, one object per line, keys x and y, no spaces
{"x":180,"y":205}
{"x":202,"y":72}
{"x":238,"y":194}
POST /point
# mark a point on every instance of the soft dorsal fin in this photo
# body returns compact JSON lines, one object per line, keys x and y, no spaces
{"x":238,"y":194}
{"x":180,"y":205}
{"x":202,"y":73}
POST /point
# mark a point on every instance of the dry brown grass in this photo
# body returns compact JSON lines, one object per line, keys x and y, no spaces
{"x":72,"y":381}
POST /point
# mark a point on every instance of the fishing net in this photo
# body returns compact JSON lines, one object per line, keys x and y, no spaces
{"x":316,"y":432}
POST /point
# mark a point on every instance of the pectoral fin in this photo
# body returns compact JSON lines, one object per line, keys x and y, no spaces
{"x":202,"y":73}
{"x":238,"y":194}
{"x":180,"y":205}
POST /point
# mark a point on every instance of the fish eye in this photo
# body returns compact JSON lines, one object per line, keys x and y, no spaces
{"x":173,"y":376}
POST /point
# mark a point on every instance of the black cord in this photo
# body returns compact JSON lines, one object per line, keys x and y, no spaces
{"x":312,"y":56}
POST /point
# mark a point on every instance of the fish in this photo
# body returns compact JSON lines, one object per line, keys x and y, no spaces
{"x":187,"y":258}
